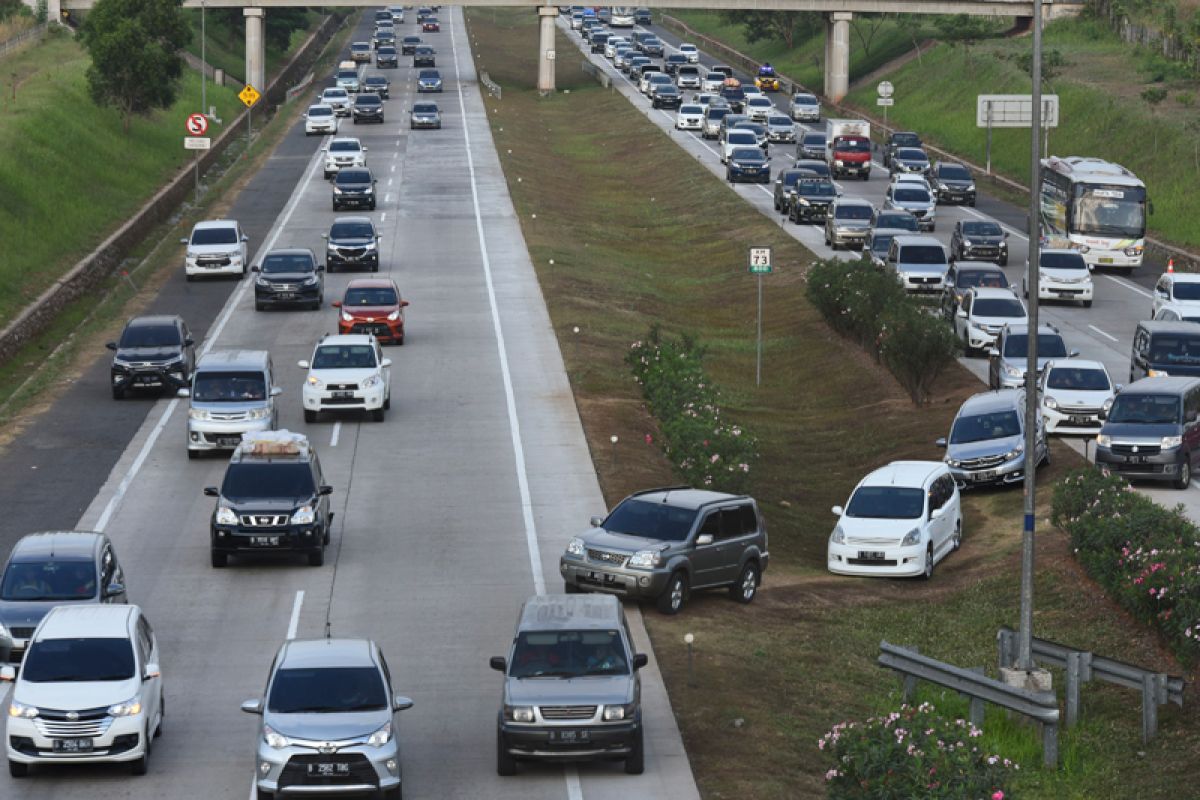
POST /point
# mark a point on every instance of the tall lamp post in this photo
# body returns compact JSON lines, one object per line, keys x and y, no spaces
{"x":203,"y":62}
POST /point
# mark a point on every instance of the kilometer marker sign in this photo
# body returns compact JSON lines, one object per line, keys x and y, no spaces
{"x":197,"y":124}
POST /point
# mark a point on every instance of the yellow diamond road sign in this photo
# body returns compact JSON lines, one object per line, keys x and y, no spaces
{"x":249,"y":95}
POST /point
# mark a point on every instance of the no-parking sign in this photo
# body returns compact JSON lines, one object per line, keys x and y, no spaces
{"x":197,"y":124}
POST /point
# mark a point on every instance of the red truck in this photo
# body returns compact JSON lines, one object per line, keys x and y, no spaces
{"x":848,"y":147}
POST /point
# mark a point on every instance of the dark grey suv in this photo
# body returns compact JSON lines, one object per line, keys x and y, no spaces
{"x":661,"y":544}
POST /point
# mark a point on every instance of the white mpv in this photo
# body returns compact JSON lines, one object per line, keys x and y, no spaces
{"x":347,"y":373}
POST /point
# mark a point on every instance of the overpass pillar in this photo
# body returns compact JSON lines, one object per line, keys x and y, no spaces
{"x":546,"y":17}
{"x":837,"y":55}
{"x":256,"y":61}
{"x":54,"y":11}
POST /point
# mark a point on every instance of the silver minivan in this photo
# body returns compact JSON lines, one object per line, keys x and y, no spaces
{"x":232,"y":392}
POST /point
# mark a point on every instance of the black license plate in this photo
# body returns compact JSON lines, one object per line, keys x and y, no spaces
{"x":229,"y":441}
{"x":870,"y":555}
{"x":72,"y":745}
{"x":568,"y":737}
{"x":264,"y":541}
{"x":1137,"y":459}
{"x":330,"y":770}
{"x":286,"y":295}
{"x":984,"y":476}
{"x":343,"y":395}
{"x":1079,"y":420}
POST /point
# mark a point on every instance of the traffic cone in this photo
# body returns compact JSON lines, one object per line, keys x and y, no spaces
{"x":1170,"y":265}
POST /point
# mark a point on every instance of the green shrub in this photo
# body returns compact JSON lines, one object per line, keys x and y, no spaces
{"x":916,"y":347}
{"x":707,"y":450}
{"x":913,"y":753}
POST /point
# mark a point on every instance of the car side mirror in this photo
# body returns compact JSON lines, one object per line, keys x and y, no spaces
{"x":387,"y":362}
{"x":183,"y":392}
{"x":1103,"y":415}
{"x":401,"y":703}
{"x":276,"y":391}
{"x":211,"y":491}
{"x":320,"y":267}
{"x":245,"y":238}
{"x":404,"y":304}
{"x":111,"y":345}
{"x":993,"y":352}
{"x":255,"y":269}
{"x":254,"y":706}
{"x":940,"y":442}
{"x":704,"y":538}
{"x":325,"y":490}
{"x":302,"y":364}
{"x":324,"y":235}
{"x":183,"y":241}
{"x":640,"y":660}
{"x":114,"y":589}
{"x":189,"y":342}
{"x":336,"y":304}
{"x":8,"y":674}
{"x":1073,"y":354}
{"x":937,"y":512}
{"x":151,"y":671}
{"x":1117,"y":389}
{"x":365,"y":149}
{"x":962,"y":312}
{"x":498,"y":663}
{"x":597,"y":521}
{"x":838,"y":511}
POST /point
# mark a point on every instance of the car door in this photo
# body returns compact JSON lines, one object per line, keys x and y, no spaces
{"x":1191,"y":425}
{"x":189,"y":350}
{"x":963,"y":316}
{"x":147,"y":647}
{"x":706,"y":558}
{"x":1137,"y":358}
{"x":739,"y":525}
{"x":938,"y":527}
{"x":1162,"y":294}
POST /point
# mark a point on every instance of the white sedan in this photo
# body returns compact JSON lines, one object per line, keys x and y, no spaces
{"x":691,"y":51}
{"x":1074,"y":396}
{"x":690,"y":117}
{"x":900,"y":521}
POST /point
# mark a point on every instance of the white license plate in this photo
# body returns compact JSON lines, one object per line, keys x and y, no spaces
{"x":343,"y":395}
{"x":568,"y":737}
{"x":1078,"y":420}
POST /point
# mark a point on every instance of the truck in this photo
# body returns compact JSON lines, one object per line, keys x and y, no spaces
{"x":848,"y":147}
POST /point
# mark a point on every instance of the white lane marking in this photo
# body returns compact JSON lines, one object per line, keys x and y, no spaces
{"x":389,"y":183}
{"x":383,"y":216}
{"x":387,"y":198}
{"x":574,"y":787}
{"x":337,"y":431}
{"x":134,"y":468}
{"x":1108,"y":336}
{"x":294,"y":622}
{"x":514,"y":424}
{"x":1133,"y":287}
{"x":393,"y":168}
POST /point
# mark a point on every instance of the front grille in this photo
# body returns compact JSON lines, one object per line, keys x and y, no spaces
{"x":924,"y":280}
{"x":1137,"y":449}
{"x":986,"y":462}
{"x":889,"y":541}
{"x":285,"y":287}
{"x":360,"y":771}
{"x":607,"y":557}
{"x":342,"y":387}
{"x":568,"y":712}
{"x":264,"y":520}
{"x":1121,"y":466}
{"x":870,"y":562}
{"x":212,"y":261}
{"x":342,"y":401}
{"x":91,"y":723}
{"x":228,"y":416}
{"x":351,"y":252}
{"x":918,"y":214}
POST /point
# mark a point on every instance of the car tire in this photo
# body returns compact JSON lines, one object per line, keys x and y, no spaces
{"x":957,"y":539}
{"x":1185,"y":476}
{"x":927,"y":573}
{"x":396,"y":793}
{"x":310,"y":416}
{"x":377,"y":415}
{"x":387,"y":403}
{"x":1002,"y":262}
{"x":506,"y":765}
{"x":971,"y":203}
{"x":218,"y":559}
{"x":1087,"y":303}
{"x":745,"y":588}
{"x":118,"y":394}
{"x":17,"y":769}
{"x":570,"y":588}
{"x":262,"y":794}
{"x":140,"y":766}
{"x":316,"y":558}
{"x":260,"y":306}
{"x":635,"y":762}
{"x":193,"y":454}
{"x":674,"y":594}
{"x":372,"y":205}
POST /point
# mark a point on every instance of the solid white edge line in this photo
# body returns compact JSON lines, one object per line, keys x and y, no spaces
{"x":1128,"y":285}
{"x":294,"y":621}
{"x":574,"y":786}
{"x":127,"y":479}
{"x":337,"y":431}
{"x":514,"y":424}
{"x":1108,"y":336}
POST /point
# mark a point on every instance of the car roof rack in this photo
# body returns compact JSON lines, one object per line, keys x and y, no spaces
{"x":273,"y":443}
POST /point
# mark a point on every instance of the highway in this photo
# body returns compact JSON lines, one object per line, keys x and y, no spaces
{"x":448,"y":515}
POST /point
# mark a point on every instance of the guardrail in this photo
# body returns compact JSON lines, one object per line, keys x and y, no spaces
{"x":299,"y":88}
{"x":1039,"y":706}
{"x":596,"y":72}
{"x":29,"y":35}
{"x":493,"y":88}
{"x":1081,"y":666}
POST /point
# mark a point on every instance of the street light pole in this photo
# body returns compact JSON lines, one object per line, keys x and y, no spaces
{"x":203,"y":61}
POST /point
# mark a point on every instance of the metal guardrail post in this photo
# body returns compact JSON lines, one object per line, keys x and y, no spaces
{"x":1149,"y":707}
{"x":1075,"y":676}
{"x":975,"y":704}
{"x":1050,"y":744}
{"x":1004,"y":647}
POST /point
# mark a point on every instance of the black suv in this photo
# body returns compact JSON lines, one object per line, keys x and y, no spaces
{"x":273,"y":499}
{"x":810,"y":198}
{"x":354,"y":187}
{"x":155,"y":352}
{"x":895,"y":141}
{"x":289,"y":277}
{"x":408,"y":45}
{"x":367,"y":108}
{"x":979,"y":240}
{"x":352,"y":242}
{"x":641,"y":16}
{"x":662,"y":543}
{"x":386,"y":57}
{"x":423,"y":56}
{"x":952,"y":183}
{"x":379,"y":84}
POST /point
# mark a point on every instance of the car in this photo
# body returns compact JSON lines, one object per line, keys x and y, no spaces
{"x":425,"y":115}
{"x":342,"y":152}
{"x":290,"y":276}
{"x":649,"y":78}
{"x":847,"y":221}
{"x":894,"y":218}
{"x":900,"y":521}
{"x":320,"y":119}
{"x":910,"y":160}
{"x":729,"y":122}
{"x":423,"y":56}
{"x":431,"y":25}
{"x":979,"y":240}
{"x":641,"y":16}
{"x":429,"y":80}
{"x":690,"y":117}
{"x":747,"y":164}
{"x":354,"y":187}
{"x":90,"y":690}
{"x":812,"y":145}
{"x":911,"y":179}
{"x":273,"y":499}
{"x":713,"y":122}
{"x":1062,"y":275}
{"x":736,"y":140}
{"x":810,"y":199}
{"x":154,"y":352}
{"x":673,"y":62}
{"x":758,"y":129}
{"x":986,"y":445}
{"x":1162,"y":348}
{"x":232,"y":393}
{"x":624,"y":55}
{"x":384,"y":37}
{"x":665,"y":95}
{"x":397,"y":13}
{"x":215,"y":247}
{"x":963,"y":275}
{"x":712,"y":82}
{"x":735,"y":96}
{"x":598,"y":42}
{"x":1009,"y":355}
{"x":1177,"y":291}
{"x":387,"y":56}
{"x":44,"y":570}
{"x":360,"y":52}
{"x":336,"y":98}
{"x":780,"y":128}
{"x":374,"y":306}
{"x":352,"y":242}
{"x":367,"y":108}
{"x":914,"y":199}
{"x":785,"y":180}
{"x":384,"y":16}
{"x":759,"y":108}
{"x":691,"y":51}
{"x":347,"y":372}
{"x":817,"y":167}
{"x":724,"y":69}
{"x":952,"y":183}
{"x":1076,"y":395}
{"x":571,"y":686}
{"x":805,"y":107}
{"x":378,"y":84}
{"x":896,"y":140}
{"x":634,"y":65}
{"x":576,"y":22}
{"x":876,"y":245}
{"x":651,"y":46}
{"x":409,"y":44}
{"x":982,"y":314}
{"x":661,"y":544}
{"x":613,"y":44}
{"x":327,"y":721}
{"x":688,"y":76}
{"x":919,"y":262}
{"x":1150,"y":431}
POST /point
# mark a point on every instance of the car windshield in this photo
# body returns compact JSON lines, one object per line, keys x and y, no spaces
{"x":779,"y":121}
{"x":905,"y":221}
{"x":425,"y":108}
{"x":327,"y":690}
{"x":150,"y":336}
{"x":223,"y":235}
{"x":1147,"y":409}
{"x":320,"y":111}
{"x":374,"y":81}
{"x":998,"y":307}
{"x":1080,"y":379}
{"x":716,"y":113}
{"x":78,"y":661}
{"x":689,"y":109}
{"x":370,"y":296}
{"x":335,"y":94}
{"x":343,"y":147}
{"x":430,"y":74}
{"x":714,"y":76}
{"x":810,"y":188}
{"x":352,"y":230}
{"x":880,"y":243}
{"x":981,"y":277}
{"x":804,"y":100}
{"x":1072,"y":261}
{"x":741,"y":137}
{"x":1186,"y":291}
{"x":368,"y":100}
{"x":886,"y":502}
{"x":228,"y":387}
{"x":814,"y":139}
{"x":1175,"y":349}
{"x":749,"y":155}
{"x":853,"y":145}
{"x":568,"y":654}
{"x":651,"y":520}
{"x":905,"y":195}
{"x":906,"y":140}
{"x":60,"y":580}
{"x":981,"y":427}
{"x":759,"y":101}
{"x":922,"y":254}
{"x":1050,"y":345}
{"x":954,"y":172}
{"x":981,"y":229}
{"x":353,"y":176}
{"x":249,"y":480}
{"x":910,"y":154}
{"x":852,"y":211}
{"x":344,"y":356}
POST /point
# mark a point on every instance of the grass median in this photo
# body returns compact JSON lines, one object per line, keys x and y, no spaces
{"x":626,"y":230}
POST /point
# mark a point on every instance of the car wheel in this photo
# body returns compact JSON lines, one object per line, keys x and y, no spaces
{"x":372,"y":205}
{"x":746,"y":586}
{"x":260,"y":306}
{"x":957,"y":540}
{"x":261,"y":794}
{"x":193,"y":455}
{"x":505,"y":764}
{"x":635,"y":762}
{"x":570,"y":588}
{"x":1087,"y":303}
{"x":118,"y":394}
{"x":141,"y":765}
{"x":162,"y":713}
{"x":335,"y":207}
{"x":671,"y":601}
{"x":17,"y":770}
{"x":219,"y":560}
{"x":1185,"y":475}
{"x":310,"y":416}
{"x":971,"y":203}
{"x":1002,"y":262}
{"x":396,"y":793}
{"x":387,"y":403}
{"x":377,"y":415}
{"x":927,"y":572}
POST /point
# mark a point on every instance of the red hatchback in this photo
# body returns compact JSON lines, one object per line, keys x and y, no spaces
{"x":372,"y":305}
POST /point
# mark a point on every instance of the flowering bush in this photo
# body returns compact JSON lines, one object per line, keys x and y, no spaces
{"x":708,"y":451}
{"x":1147,"y":556}
{"x":913,"y":753}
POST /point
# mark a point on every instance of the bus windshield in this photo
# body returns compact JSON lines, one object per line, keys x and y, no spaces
{"x":1116,"y":211}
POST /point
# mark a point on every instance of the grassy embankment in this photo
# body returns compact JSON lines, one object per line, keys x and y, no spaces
{"x":630,"y":231}
{"x":226,"y":41}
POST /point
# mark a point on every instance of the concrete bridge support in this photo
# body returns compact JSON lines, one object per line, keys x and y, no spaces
{"x":546,"y":19}
{"x":256,"y":54}
{"x":837,"y":55}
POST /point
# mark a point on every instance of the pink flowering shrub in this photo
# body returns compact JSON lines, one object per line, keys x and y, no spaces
{"x":1146,"y":556}
{"x":913,"y":753}
{"x":709,"y":451}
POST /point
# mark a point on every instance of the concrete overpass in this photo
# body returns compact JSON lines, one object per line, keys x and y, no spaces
{"x":838,"y":14}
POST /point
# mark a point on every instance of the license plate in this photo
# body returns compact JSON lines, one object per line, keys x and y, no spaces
{"x":330,"y":770}
{"x":1106,"y":261}
{"x":229,"y":441}
{"x":286,"y":295}
{"x":72,"y":745}
{"x":343,"y":395}
{"x":870,"y":555}
{"x":568,"y":737}
{"x":984,"y":476}
{"x":1079,"y":420}
{"x":1138,"y":459}
{"x":264,"y":541}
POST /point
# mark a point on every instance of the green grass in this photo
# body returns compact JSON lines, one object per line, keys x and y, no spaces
{"x":774,"y":676}
{"x":225,"y":46}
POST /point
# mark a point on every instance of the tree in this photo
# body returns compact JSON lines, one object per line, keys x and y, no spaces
{"x":777,"y":25}
{"x":1053,"y":64}
{"x":865,"y":26}
{"x":963,"y":29}
{"x":281,"y":22}
{"x":134,"y":45}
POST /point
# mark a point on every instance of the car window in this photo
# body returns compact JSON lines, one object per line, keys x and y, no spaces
{"x":352,"y":230}
{"x":370,"y":296}
{"x":223,"y":235}
{"x":1063,"y":261}
{"x":852,"y":211}
{"x":151,"y":336}
{"x":343,"y":146}
{"x":424,"y":108}
{"x":1050,"y":345}
{"x":353,"y":176}
{"x":910,"y":195}
{"x":731,"y":523}
{"x":651,"y":520}
{"x":78,"y":661}
{"x":320,"y":111}
{"x":1175,"y":348}
{"x":231,"y":387}
{"x":968,"y":278}
{"x":954,"y":172}
{"x":981,"y":229}
{"x":999,"y":307}
{"x":981,"y":427}
{"x":250,"y":480}
{"x":568,"y":654}
{"x":1078,"y":379}
{"x":923,"y":254}
{"x":344,"y":356}
{"x":288,"y":262}
{"x":327,"y":690}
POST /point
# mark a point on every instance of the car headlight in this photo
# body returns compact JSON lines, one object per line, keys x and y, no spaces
{"x":1103,"y":440}
{"x":575,"y":547}
{"x":1083,"y":248}
{"x":1108,"y":404}
{"x":1050,"y":402}
{"x":953,"y":462}
{"x":395,"y":315}
{"x":198,"y":413}
{"x":1003,"y":245}
{"x":645,"y":559}
{"x":261,"y":280}
{"x":838,"y":536}
{"x":967,"y":243}
{"x":22,"y":711}
{"x":369,"y":246}
{"x":970,"y":187}
{"x":804,"y":202}
{"x":274,"y":739}
{"x":336,"y":190}
{"x":311,"y":280}
{"x":1015,"y":453}
{"x":130,"y":708}
{"x":316,"y":382}
{"x":615,"y":713}
{"x":380,"y":737}
{"x":837,"y":162}
{"x":258,"y":413}
{"x":235,"y":258}
{"x":120,"y":362}
{"x":193,"y":256}
{"x":1171,"y":441}
{"x":518,"y":713}
{"x":1133,"y":251}
{"x":370,"y":382}
{"x":1012,"y":372}
{"x":1156,"y":373}
{"x":225,"y":516}
{"x":347,"y":316}
{"x":911,"y":538}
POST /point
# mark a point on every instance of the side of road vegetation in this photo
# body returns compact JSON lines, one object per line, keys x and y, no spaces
{"x":620,"y":227}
